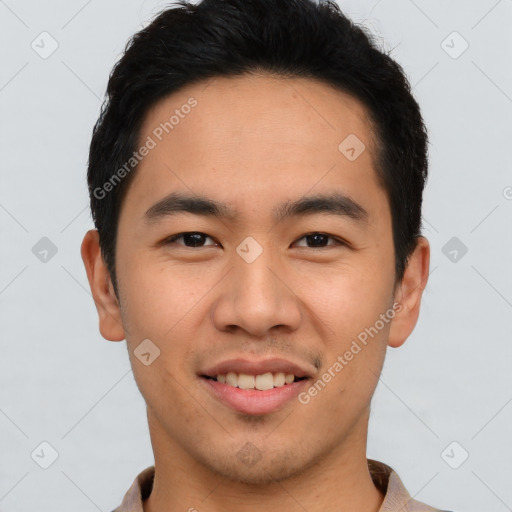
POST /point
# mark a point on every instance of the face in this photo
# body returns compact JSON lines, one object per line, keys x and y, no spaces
{"x":281,"y":275}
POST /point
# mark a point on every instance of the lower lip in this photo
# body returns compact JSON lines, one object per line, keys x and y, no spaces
{"x":252,"y":401}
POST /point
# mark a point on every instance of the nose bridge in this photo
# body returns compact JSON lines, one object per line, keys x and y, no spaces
{"x":256,"y":297}
{"x":257,"y":285}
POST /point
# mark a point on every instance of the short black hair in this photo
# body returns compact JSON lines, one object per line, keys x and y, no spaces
{"x":189,"y":43}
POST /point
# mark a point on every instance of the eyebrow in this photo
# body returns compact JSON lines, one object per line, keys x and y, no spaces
{"x":334,"y":204}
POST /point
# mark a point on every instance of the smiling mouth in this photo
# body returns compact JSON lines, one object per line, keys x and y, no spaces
{"x":261,"y":382}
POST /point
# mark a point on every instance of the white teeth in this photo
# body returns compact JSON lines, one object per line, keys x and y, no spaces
{"x":232,"y":379}
{"x":261,"y":382}
{"x":264,"y":382}
{"x":245,"y":381}
{"x":280,"y":379}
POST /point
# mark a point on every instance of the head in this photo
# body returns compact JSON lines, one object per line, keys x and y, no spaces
{"x":256,"y":179}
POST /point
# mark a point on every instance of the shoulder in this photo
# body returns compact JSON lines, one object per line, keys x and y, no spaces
{"x":396,"y":496}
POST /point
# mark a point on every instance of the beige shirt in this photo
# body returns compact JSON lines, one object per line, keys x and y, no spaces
{"x":396,"y":497}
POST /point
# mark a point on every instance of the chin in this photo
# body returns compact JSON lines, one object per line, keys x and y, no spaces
{"x":250,"y":467}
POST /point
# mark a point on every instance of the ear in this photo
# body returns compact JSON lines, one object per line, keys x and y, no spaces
{"x":409,"y":292}
{"x":107,"y":305}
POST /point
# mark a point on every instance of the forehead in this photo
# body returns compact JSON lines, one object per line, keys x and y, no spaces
{"x":253,"y":138}
{"x":227,"y":108}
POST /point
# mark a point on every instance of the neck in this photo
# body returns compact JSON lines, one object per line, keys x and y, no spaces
{"x":340,"y":481}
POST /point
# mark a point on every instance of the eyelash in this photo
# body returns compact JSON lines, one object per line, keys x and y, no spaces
{"x":172,"y":239}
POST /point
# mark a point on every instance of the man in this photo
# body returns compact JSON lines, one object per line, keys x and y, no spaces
{"x":256,"y":181}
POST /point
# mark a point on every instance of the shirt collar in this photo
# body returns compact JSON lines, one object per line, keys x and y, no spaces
{"x":396,"y":496}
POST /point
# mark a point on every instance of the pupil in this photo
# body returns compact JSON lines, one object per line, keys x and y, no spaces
{"x":316,"y":237}
{"x":195,"y":237}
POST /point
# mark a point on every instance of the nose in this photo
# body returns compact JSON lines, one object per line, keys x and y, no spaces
{"x":257,"y":297}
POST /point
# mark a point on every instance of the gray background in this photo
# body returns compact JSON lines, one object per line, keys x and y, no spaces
{"x":65,"y":385}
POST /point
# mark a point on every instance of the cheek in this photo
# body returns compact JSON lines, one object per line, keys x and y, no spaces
{"x":352,"y":305}
{"x":163,"y":305}
{"x":156,"y":296}
{"x":350,"y":300}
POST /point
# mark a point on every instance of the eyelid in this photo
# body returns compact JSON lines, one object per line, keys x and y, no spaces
{"x":172,"y":238}
{"x":339,"y":241}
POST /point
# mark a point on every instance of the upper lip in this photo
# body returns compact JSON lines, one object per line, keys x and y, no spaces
{"x":274,"y":365}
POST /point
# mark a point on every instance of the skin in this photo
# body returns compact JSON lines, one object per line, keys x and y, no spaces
{"x":253,"y":142}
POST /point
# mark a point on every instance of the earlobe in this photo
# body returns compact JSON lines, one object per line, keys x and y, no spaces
{"x":409,"y":293}
{"x":107,"y":305}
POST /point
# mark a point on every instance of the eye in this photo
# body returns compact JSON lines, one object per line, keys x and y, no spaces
{"x":319,"y":240}
{"x":196,"y":239}
{"x":190,"y":239}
